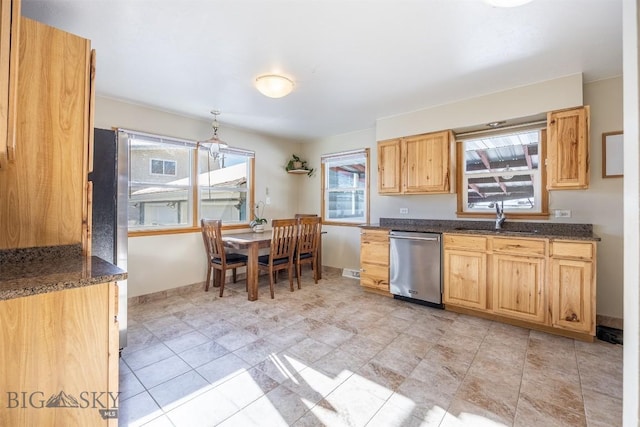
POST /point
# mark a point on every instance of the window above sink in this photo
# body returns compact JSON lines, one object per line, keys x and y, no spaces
{"x":502,"y":167}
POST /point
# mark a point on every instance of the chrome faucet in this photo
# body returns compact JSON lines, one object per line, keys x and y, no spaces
{"x":500,"y":218}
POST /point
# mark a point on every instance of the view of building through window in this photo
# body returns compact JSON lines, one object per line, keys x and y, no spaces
{"x":346,"y":187}
{"x":169,"y":181}
{"x":502,"y":169}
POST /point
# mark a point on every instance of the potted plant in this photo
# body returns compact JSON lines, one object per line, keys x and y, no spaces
{"x":295,"y":163}
{"x":258,"y":222}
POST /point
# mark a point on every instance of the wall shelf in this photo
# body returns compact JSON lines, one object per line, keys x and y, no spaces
{"x":298,"y":171}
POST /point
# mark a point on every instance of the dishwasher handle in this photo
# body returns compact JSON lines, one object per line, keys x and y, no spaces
{"x":428,"y":239}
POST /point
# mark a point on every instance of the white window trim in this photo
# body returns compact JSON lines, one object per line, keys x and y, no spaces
{"x":345,"y":155}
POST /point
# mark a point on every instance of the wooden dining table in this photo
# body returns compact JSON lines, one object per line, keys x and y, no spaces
{"x":252,"y":243}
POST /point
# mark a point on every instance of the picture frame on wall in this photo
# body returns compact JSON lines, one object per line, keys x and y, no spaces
{"x":612,"y":154}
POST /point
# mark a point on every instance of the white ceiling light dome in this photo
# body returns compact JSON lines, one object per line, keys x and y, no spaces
{"x":274,"y":85}
{"x":507,"y":3}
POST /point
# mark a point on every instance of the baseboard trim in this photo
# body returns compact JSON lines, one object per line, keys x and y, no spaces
{"x":155,"y":296}
{"x":610,"y":322}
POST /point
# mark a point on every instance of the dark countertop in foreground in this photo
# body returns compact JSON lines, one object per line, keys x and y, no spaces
{"x":512,"y":229}
{"x":31,"y":271}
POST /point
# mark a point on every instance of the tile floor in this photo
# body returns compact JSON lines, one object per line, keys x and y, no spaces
{"x":332,"y":354}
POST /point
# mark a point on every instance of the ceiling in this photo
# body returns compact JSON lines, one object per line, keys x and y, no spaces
{"x":353,"y":61}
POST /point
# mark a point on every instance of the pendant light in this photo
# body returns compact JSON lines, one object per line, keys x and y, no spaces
{"x":214,"y":144}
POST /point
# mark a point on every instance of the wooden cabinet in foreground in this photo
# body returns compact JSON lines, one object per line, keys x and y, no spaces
{"x":44,"y":192}
{"x":573,"y":293}
{"x":374,"y":260}
{"x":60,"y":347}
{"x":9,"y":37}
{"x":419,"y":164}
{"x":465,"y":271}
{"x":568,"y":149}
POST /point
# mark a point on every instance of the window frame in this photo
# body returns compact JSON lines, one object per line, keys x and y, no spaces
{"x":509,"y":214}
{"x":194,"y":187}
{"x":365,"y":152}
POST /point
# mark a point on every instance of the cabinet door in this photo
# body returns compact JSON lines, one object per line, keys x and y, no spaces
{"x":374,"y":259}
{"x":389,"y":167}
{"x":465,"y":279}
{"x":427,"y":161}
{"x":568,"y":149}
{"x":374,"y":276}
{"x":9,"y":36}
{"x":56,"y":344}
{"x":573,"y":296}
{"x":518,"y":287}
{"x":44,"y":191}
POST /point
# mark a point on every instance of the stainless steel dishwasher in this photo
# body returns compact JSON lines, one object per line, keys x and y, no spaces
{"x":416,"y":267}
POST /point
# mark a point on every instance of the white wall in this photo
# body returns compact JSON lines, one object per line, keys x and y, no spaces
{"x":600,"y":205}
{"x":631,"y":373}
{"x":158,"y":263}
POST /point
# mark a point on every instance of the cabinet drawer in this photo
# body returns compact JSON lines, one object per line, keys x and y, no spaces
{"x":368,"y":236}
{"x":374,"y":276}
{"x":465,"y":242}
{"x":572,"y":250}
{"x":528,"y":247}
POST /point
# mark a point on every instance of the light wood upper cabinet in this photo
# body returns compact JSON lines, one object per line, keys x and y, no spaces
{"x":9,"y":37}
{"x":568,"y":149}
{"x":573,"y":286}
{"x":374,"y":259}
{"x":419,"y":164}
{"x":465,"y":271}
{"x":427,"y":162}
{"x":43,"y":195}
{"x":389,"y":166}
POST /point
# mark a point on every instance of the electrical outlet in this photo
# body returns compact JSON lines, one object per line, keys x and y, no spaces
{"x":355,"y":274}
{"x":267,"y":200}
{"x":563,"y":213}
{"x":404,"y":210}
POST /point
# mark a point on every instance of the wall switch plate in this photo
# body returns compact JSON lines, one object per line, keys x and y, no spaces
{"x":563,"y":213}
{"x":404,"y":210}
{"x":267,"y":200}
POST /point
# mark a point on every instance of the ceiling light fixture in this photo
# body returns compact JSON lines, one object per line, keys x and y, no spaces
{"x":274,"y":86}
{"x":494,"y":125}
{"x":507,"y":3}
{"x":214,"y":144}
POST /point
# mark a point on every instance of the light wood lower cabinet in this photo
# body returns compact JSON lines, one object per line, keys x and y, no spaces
{"x":527,"y":281}
{"x":518,"y":287}
{"x":59,"y":348}
{"x":573,"y":286}
{"x":465,"y":271}
{"x":374,"y":259}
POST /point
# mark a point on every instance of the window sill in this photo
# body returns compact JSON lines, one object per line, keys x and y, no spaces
{"x":508,"y":215}
{"x":166,"y":231}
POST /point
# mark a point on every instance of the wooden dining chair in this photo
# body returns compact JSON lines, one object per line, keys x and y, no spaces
{"x":309,"y":231}
{"x":284,"y":234}
{"x":218,"y":259}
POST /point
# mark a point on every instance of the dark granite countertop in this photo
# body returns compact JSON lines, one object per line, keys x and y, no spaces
{"x":31,"y":271}
{"x":509,"y":228}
